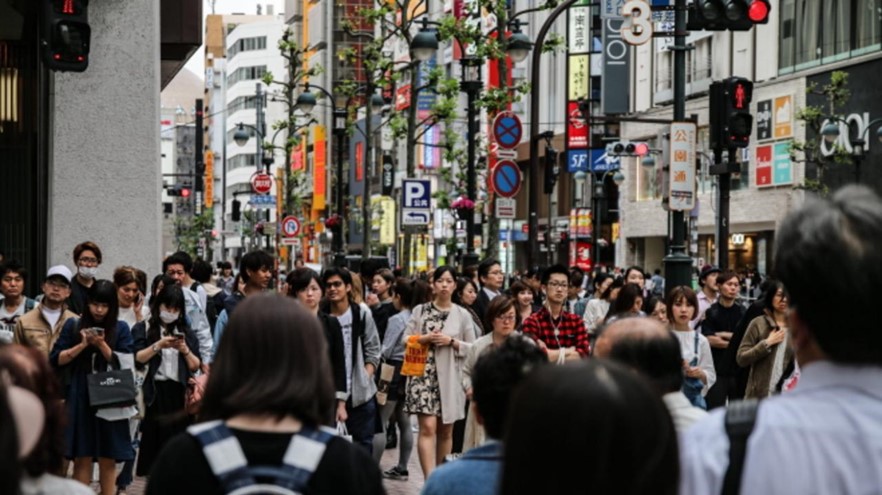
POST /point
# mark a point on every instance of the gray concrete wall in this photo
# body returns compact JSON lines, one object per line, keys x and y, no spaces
{"x":105,"y":165}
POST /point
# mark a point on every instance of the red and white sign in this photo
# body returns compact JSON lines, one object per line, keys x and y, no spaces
{"x":580,"y":255}
{"x":261,"y":183}
{"x":291,"y":226}
{"x":577,"y":127}
{"x":764,"y":165}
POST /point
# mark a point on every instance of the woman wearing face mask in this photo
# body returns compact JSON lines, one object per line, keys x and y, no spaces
{"x":90,"y":343}
{"x":169,"y":349}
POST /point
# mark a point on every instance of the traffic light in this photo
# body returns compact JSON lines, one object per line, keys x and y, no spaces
{"x":66,"y":35}
{"x":732,"y":15}
{"x":179,"y":191}
{"x":237,"y":210}
{"x":552,"y":170}
{"x":627,"y":148}
{"x":730,"y":118}
{"x":185,"y":192}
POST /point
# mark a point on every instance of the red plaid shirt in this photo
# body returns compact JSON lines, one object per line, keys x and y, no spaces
{"x":571,"y":330}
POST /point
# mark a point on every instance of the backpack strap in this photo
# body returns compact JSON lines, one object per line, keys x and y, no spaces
{"x":224,"y":455}
{"x":740,"y":420}
{"x":228,"y":463}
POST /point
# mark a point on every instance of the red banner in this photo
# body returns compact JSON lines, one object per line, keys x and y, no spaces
{"x":577,"y":128}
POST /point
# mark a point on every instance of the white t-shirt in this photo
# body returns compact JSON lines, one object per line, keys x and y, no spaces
{"x":8,"y":319}
{"x":128,"y":314}
{"x":51,"y":315}
{"x":346,"y":325}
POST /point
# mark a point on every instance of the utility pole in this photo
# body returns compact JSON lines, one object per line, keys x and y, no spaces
{"x":677,"y":263}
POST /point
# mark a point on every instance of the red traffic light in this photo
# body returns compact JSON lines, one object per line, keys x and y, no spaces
{"x":185,"y":192}
{"x":641,"y":149}
{"x":758,"y":12}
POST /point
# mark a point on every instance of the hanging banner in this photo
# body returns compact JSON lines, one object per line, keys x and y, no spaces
{"x":209,"y":178}
{"x":615,"y":85}
{"x":319,"y":172}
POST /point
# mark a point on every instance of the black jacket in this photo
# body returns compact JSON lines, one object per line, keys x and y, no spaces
{"x":139,"y":334}
{"x":334,"y":337}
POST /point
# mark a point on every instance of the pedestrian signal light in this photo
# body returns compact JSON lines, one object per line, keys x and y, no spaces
{"x":730,"y":117}
{"x":66,"y":35}
{"x":236,"y":214}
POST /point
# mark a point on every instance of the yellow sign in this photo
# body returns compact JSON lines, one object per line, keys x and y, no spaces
{"x":579,"y":77}
{"x":385,"y":220}
{"x":783,"y":117}
{"x":209,"y":179}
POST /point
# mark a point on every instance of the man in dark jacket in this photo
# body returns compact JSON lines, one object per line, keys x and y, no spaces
{"x":719,"y":324}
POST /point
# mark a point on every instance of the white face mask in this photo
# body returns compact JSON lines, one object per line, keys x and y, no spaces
{"x":88,"y":271}
{"x":168,"y":317}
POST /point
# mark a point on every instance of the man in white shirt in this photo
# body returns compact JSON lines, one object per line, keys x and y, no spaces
{"x":178,"y":266}
{"x":647,"y":346}
{"x":826,"y":435}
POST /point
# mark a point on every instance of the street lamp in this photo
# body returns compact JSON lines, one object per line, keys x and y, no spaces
{"x":306,"y":103}
{"x":830,"y":133}
{"x":618,"y":179}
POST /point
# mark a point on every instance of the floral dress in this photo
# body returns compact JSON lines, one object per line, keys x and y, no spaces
{"x":423,"y":394}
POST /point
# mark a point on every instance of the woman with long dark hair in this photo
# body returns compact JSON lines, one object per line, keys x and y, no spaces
{"x":765,"y":348}
{"x":604,"y":411}
{"x":465,"y":295}
{"x":269,"y":394}
{"x":169,"y":349}
{"x":305,"y":285}
{"x":84,"y":346}
{"x":628,"y":303}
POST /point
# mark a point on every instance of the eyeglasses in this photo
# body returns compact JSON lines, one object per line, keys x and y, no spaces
{"x":88,"y":261}
{"x":506,"y":318}
{"x":335,"y":285}
{"x":558,"y":285}
{"x":57,"y":284}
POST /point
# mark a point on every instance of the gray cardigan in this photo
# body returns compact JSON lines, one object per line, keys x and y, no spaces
{"x":367,"y":350}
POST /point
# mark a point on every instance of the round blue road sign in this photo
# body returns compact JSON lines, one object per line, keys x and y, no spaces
{"x":506,"y":179}
{"x":507,"y":130}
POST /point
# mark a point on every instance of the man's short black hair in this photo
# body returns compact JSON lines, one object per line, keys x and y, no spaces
{"x":551,"y":270}
{"x":337,"y":271}
{"x":659,"y":358}
{"x":201,"y":271}
{"x":254,"y":261}
{"x":485,"y":266}
{"x":179,"y":258}
{"x":13,"y":266}
{"x":495,"y":376}
{"x":827,"y":255}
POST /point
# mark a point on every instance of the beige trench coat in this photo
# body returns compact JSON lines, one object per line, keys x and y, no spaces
{"x":448,"y":360}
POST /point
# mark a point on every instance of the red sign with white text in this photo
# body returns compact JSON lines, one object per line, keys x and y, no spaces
{"x":577,"y":127}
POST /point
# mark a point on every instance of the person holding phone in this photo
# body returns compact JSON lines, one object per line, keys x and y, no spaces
{"x":86,"y":344}
{"x":131,"y":285}
{"x":169,"y":349}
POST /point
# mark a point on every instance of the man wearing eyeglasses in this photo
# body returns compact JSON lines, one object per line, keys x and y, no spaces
{"x":559,"y":333}
{"x":87,"y":258}
{"x":41,"y":326}
{"x":491,"y":276}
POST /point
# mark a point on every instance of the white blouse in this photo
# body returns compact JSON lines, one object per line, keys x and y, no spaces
{"x":705,"y":359}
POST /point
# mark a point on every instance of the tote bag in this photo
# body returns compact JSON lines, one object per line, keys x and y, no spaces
{"x":112,"y":388}
{"x":415,"y":356}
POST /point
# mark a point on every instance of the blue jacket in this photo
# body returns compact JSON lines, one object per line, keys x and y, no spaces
{"x":477,"y":472}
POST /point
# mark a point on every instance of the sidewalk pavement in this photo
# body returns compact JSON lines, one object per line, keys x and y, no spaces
{"x":390,"y":457}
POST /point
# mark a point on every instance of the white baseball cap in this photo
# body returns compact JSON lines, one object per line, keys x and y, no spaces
{"x":60,"y":271}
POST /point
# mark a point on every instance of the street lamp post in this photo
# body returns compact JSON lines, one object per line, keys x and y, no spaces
{"x":831,"y":132}
{"x":306,"y":102}
{"x":471,"y":84}
{"x":598,"y":196}
{"x":535,"y":80}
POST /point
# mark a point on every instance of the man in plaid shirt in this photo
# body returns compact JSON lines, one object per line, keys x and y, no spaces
{"x":560,"y":334}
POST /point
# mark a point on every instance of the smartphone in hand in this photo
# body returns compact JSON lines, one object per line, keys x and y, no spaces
{"x":97,"y":331}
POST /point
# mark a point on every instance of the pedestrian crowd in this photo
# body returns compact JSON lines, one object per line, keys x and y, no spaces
{"x":208,"y":381}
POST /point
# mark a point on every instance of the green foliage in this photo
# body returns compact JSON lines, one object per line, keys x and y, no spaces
{"x":189,"y":230}
{"x":835,"y":94}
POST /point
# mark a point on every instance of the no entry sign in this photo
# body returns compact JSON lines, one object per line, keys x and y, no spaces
{"x":261,"y":183}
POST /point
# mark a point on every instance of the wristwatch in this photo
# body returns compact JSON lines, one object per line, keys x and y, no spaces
{"x":155,"y":349}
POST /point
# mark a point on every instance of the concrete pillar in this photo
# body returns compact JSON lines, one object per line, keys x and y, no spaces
{"x":105,"y":177}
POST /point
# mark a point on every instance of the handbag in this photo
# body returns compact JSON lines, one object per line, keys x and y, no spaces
{"x":343,"y":432}
{"x":112,"y":388}
{"x":415,"y":357}
{"x":195,"y":391}
{"x":692,"y":387}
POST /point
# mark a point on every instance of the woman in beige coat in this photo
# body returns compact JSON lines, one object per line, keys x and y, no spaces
{"x":448,"y":329}
{"x":765,"y":345}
